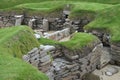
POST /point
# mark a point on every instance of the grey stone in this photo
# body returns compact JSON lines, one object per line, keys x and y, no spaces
{"x":46,"y":58}
{"x":34,"y":58}
{"x":111,"y":71}
{"x":45,"y":63}
{"x":37,"y":36}
{"x":34,"y":54}
{"x":30,"y":23}
{"x":26,"y":58}
{"x":49,"y":48}
{"x":105,"y":57}
{"x":45,"y":25}
{"x":18,"y":20}
{"x":43,"y":54}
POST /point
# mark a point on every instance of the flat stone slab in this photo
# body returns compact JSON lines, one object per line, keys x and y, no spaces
{"x":110,"y":72}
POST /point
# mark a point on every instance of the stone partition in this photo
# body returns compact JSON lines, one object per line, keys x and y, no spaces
{"x":31,"y":22}
{"x":58,"y":35}
{"x":45,"y":25}
{"x":18,"y":20}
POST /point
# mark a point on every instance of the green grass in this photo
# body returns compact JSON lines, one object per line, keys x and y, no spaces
{"x":17,"y":40}
{"x":15,"y":69}
{"x":14,"y":42}
{"x":108,"y":20}
{"x":87,"y":9}
{"x":46,"y":41}
{"x":78,"y":8}
{"x":78,"y":41}
{"x":11,"y":3}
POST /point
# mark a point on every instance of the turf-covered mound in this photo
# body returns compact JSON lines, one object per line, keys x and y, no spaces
{"x":80,"y":45}
{"x":79,"y":41}
{"x":11,"y":3}
{"x":17,"y":40}
{"x":14,"y":42}
{"x":107,"y":20}
{"x":77,"y":8}
{"x":87,"y":9}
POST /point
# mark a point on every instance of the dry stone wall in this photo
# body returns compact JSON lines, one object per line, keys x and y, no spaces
{"x":40,"y":57}
{"x":58,"y":66}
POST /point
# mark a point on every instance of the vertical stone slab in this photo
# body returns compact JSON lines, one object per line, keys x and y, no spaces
{"x":18,"y":20}
{"x":45,"y":25}
{"x":30,"y":23}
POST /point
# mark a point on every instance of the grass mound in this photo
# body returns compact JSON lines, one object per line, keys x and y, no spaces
{"x":78,"y":9}
{"x":77,"y":41}
{"x":15,"y":42}
{"x":11,"y":3}
{"x":46,"y":41}
{"x":108,"y":20}
{"x":87,"y":9}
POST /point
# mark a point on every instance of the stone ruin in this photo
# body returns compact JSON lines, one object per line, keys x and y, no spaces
{"x":61,"y":64}
{"x":58,"y":35}
{"x":8,"y":20}
{"x":58,"y":62}
{"x":47,"y":24}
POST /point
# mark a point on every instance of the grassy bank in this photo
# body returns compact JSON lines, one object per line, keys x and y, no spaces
{"x":79,"y":41}
{"x":107,"y":19}
{"x":11,"y":3}
{"x":15,"y":42}
{"x":78,"y":9}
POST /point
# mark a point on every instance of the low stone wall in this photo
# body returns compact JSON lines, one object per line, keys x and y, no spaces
{"x":8,"y":21}
{"x":40,"y":57}
{"x":58,"y":35}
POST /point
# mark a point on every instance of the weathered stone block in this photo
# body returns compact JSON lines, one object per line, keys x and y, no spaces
{"x":46,"y":58}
